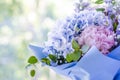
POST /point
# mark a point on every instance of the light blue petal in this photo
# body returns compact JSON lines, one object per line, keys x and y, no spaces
{"x":38,"y":51}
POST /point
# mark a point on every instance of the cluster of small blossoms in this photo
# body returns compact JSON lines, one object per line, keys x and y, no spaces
{"x":99,"y":36}
{"x":60,"y":38}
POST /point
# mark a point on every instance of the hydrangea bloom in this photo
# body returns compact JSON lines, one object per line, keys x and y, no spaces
{"x":107,"y":1}
{"x":59,"y":39}
{"x":118,"y":27}
{"x":97,"y":27}
{"x":99,"y":36}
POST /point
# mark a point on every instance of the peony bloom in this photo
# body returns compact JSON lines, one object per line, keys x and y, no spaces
{"x":99,"y":36}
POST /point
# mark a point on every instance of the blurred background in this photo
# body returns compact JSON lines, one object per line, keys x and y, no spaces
{"x":23,"y":22}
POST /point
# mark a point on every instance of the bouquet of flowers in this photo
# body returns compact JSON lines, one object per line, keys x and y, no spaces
{"x":85,"y":45}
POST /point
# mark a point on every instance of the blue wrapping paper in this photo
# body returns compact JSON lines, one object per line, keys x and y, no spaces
{"x":98,"y":65}
{"x":93,"y":65}
{"x":115,"y":54}
{"x":72,"y":71}
{"x":38,"y":51}
{"x":117,"y":76}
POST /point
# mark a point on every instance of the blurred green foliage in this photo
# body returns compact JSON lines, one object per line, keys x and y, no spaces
{"x":23,"y":22}
{"x":9,"y":8}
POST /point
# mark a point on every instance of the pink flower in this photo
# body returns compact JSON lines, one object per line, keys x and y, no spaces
{"x":99,"y":36}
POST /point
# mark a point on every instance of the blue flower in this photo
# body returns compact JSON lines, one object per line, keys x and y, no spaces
{"x":118,"y":27}
{"x":60,"y":38}
{"x":108,"y":1}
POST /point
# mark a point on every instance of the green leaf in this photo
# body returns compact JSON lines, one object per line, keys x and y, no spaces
{"x":75,"y":45}
{"x":32,"y":60}
{"x":52,"y":57}
{"x":32,"y":73}
{"x":112,"y":16}
{"x":77,"y":55}
{"x":100,"y":9}
{"x":85,"y":48}
{"x":28,"y":65}
{"x":115,"y":26}
{"x":99,"y":2}
{"x":113,"y":2}
{"x":69,"y":57}
{"x":46,"y":60}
